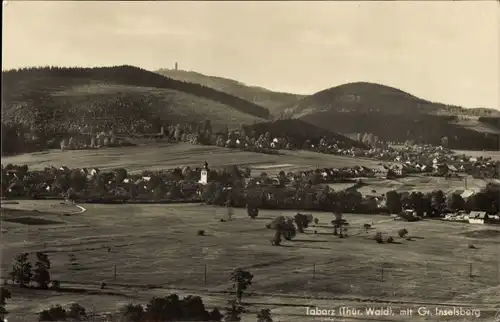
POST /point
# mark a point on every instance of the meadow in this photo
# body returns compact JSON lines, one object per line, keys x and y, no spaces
{"x":164,"y":156}
{"x":156,"y":251}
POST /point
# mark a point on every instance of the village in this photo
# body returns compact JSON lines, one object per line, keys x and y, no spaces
{"x":329,"y":189}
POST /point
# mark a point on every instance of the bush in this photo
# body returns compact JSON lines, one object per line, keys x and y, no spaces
{"x":55,"y":313}
{"x":378,"y":238}
{"x":76,"y":312}
{"x":55,"y":285}
{"x":402,"y":232}
{"x":472,"y":246}
{"x":201,"y":233}
{"x":316,"y":221}
{"x":390,"y":240}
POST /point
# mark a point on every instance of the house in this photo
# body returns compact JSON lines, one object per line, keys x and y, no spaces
{"x":477,"y":217}
{"x":466,"y":194}
{"x":64,"y":169}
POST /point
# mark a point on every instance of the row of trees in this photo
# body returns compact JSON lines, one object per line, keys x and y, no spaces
{"x":169,"y":308}
{"x":435,"y":203}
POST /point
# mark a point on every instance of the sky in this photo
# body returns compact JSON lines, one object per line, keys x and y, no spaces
{"x":445,"y":51}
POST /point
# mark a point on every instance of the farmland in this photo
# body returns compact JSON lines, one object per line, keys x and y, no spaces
{"x":313,"y":269}
{"x":164,"y":156}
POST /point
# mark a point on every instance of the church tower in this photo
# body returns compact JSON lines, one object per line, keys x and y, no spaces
{"x":204,"y":174}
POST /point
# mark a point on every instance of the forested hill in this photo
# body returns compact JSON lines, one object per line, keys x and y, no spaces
{"x":25,"y":87}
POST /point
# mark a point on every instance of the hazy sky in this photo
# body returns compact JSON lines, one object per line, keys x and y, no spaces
{"x":443,"y":51}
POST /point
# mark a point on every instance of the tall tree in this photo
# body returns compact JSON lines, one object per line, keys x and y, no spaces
{"x":42,"y":266}
{"x":241,"y":281}
{"x":21,"y":270}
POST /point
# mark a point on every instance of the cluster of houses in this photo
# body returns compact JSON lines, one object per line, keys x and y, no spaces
{"x":474,"y":217}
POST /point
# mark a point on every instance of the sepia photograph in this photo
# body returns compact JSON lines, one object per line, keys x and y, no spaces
{"x":253,"y":161}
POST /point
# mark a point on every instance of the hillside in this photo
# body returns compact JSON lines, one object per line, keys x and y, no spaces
{"x":274,"y":101}
{"x":394,"y":115}
{"x":83,"y":96}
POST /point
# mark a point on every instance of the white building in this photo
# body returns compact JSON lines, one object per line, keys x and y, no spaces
{"x":204,"y":174}
{"x":477,"y":217}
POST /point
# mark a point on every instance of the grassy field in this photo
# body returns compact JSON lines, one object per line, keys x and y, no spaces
{"x":163,"y":156}
{"x":157,"y":245}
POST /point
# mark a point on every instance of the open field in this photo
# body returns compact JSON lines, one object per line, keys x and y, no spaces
{"x":164,"y":155}
{"x":157,"y":245}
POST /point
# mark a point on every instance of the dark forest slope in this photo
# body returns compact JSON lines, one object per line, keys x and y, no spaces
{"x":299,"y":131}
{"x":37,"y":94}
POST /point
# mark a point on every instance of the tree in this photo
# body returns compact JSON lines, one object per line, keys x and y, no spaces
{"x":264,"y":316}
{"x":456,"y":202}
{"x":72,"y":144}
{"x":233,"y":312}
{"x":252,"y":210}
{"x":444,"y":141}
{"x":77,"y":180}
{"x":338,"y":225}
{"x":241,"y":280}
{"x":55,"y":313}
{"x":4,"y":295}
{"x":63,"y":144}
{"x":132,"y":313}
{"x":21,"y":270}
{"x":301,"y":222}
{"x":76,"y":312}
{"x":42,"y":266}
{"x":394,"y":204}
{"x":215,"y":315}
{"x":175,"y":191}
{"x":93,"y":142}
{"x":120,"y":175}
{"x":438,"y":200}
{"x":402,"y":232}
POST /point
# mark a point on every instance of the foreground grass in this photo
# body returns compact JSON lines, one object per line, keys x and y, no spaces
{"x":156,"y":245}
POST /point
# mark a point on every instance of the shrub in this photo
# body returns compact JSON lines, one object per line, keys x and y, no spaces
{"x":402,"y":232}
{"x":55,"y":313}
{"x":390,"y":240}
{"x":378,"y":238}
{"x":201,"y":233}
{"x":316,"y":221}
{"x":76,"y":312}
{"x":55,"y":285}
{"x":472,"y":246}
{"x":103,"y":285}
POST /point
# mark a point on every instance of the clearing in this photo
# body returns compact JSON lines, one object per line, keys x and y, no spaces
{"x":312,"y":270}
